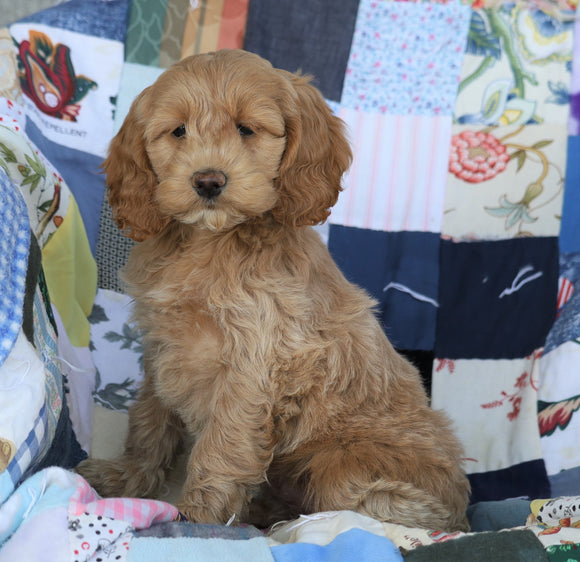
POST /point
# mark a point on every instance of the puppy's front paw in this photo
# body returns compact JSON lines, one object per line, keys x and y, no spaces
{"x":120,"y":478}
{"x":212,"y":506}
{"x":104,"y":476}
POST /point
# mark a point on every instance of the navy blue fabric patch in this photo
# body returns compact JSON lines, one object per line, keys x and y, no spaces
{"x":570,"y":229}
{"x":107,"y":20}
{"x":314,"y":37}
{"x":398,"y":269}
{"x":81,"y":172}
{"x":528,"y":480}
{"x":497,"y":299}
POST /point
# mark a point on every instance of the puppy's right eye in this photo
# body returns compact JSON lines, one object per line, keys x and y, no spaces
{"x":245,"y":131}
{"x":179,"y":132}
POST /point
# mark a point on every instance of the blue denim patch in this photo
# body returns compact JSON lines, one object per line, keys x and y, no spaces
{"x":99,"y":18}
{"x":314,"y":37}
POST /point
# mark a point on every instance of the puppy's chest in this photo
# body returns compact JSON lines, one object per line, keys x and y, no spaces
{"x":242,"y":310}
{"x":218,"y":338}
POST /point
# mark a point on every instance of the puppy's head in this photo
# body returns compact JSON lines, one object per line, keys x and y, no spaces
{"x":222,"y":138}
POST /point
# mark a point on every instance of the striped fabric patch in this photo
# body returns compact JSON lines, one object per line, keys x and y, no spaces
{"x":565,"y":292}
{"x":140,"y":512}
{"x":398,"y":178}
{"x":214,"y":25}
{"x":30,"y":449}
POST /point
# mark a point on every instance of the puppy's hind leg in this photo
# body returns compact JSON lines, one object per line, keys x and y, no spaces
{"x":402,"y":503}
{"x":154,"y":436}
{"x":349,"y":477}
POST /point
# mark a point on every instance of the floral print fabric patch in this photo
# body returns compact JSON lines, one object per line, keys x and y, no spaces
{"x":516,"y":68}
{"x":505,"y":182}
{"x":497,"y":422}
{"x":406,"y":58}
{"x":70,"y":82}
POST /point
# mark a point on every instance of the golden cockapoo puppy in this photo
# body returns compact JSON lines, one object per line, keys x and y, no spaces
{"x":255,"y":344}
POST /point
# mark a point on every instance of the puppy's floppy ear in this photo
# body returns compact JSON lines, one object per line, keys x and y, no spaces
{"x":316,"y":156}
{"x":130,"y":177}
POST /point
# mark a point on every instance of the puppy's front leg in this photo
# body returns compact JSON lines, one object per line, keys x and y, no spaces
{"x":153,"y":438}
{"x":228,"y":462}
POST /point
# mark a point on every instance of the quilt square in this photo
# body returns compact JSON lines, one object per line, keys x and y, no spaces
{"x":570,"y":230}
{"x":559,"y":407}
{"x":14,"y":251}
{"x":80,"y":170}
{"x":505,"y":182}
{"x":406,"y":57}
{"x":492,"y":404}
{"x":497,"y":299}
{"x":70,"y":82}
{"x":399,"y":172}
{"x":314,"y":38}
{"x":560,"y":431}
{"x":39,"y":182}
{"x":117,"y":346}
{"x":516,"y":68}
{"x":107,"y":20}
{"x":399,"y":270}
{"x":567,"y":324}
{"x":145,"y":30}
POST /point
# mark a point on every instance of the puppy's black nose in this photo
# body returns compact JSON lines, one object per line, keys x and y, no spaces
{"x":209,"y":184}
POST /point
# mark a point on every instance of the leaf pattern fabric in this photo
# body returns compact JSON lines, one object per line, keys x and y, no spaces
{"x":46,"y":196}
{"x":505,"y":182}
{"x":115,"y":341}
{"x":516,"y":68}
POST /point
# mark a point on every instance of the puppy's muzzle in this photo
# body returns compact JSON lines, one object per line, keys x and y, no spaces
{"x":209,"y":184}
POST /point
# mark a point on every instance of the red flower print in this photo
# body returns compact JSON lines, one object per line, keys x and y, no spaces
{"x":522,"y":381}
{"x":516,"y":406}
{"x":515,"y":398}
{"x":445,"y":363}
{"x":48,"y":78}
{"x":477,"y":156}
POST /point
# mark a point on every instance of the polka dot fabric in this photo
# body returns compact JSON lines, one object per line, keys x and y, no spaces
{"x":99,"y":538}
{"x":14,"y":245}
{"x":556,"y":509}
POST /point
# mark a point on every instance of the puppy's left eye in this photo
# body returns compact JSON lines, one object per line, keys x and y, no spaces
{"x":179,"y":132}
{"x":245,"y":131}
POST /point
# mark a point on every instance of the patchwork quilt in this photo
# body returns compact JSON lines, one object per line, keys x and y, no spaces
{"x":460,"y":216}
